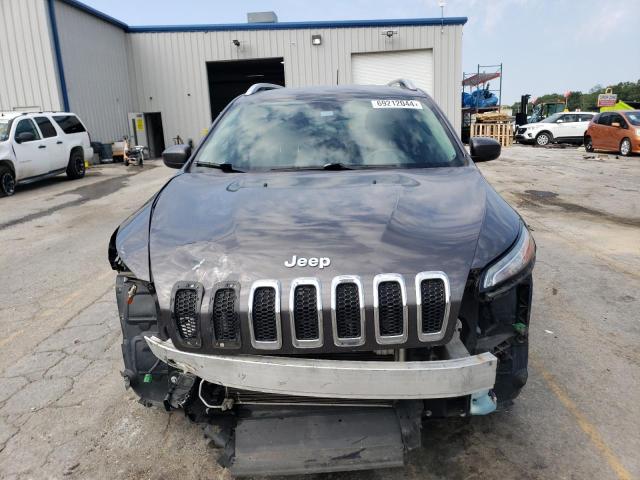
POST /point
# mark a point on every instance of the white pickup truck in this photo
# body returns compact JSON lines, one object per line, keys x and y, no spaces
{"x":38,"y":145}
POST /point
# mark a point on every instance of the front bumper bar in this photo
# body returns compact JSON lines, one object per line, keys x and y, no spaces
{"x":336,"y":378}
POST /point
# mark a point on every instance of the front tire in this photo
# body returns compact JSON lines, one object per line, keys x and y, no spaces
{"x":543,"y":139}
{"x":588,"y":144}
{"x":7,"y":182}
{"x":625,"y":147}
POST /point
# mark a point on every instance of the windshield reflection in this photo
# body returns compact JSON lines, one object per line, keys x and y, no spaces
{"x":297,"y":134}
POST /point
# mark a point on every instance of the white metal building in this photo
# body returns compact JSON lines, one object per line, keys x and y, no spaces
{"x":160,"y":82}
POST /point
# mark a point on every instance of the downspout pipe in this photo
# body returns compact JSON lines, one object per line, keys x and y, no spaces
{"x":58,"y":52}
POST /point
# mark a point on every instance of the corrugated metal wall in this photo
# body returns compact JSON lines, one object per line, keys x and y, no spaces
{"x":96,"y":71}
{"x":166,"y":67}
{"x":28,"y":74}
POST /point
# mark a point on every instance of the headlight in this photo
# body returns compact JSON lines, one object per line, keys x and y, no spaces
{"x":512,"y":263}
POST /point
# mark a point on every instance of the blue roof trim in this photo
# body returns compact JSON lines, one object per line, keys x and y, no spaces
{"x":96,"y":13}
{"x":300,"y":25}
{"x":398,"y":22}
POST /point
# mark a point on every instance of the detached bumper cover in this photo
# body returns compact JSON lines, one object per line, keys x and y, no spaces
{"x":336,"y":378}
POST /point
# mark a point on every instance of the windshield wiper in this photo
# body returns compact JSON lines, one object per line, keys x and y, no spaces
{"x":336,"y":166}
{"x":225,"y":167}
{"x":327,"y":166}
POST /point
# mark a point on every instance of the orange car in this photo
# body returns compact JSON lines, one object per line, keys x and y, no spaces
{"x":617,"y":131}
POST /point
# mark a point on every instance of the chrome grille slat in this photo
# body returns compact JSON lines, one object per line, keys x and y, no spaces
{"x":347,"y":331}
{"x":264,"y":315}
{"x":305,"y":311}
{"x":390,"y":315}
{"x":432,"y":305}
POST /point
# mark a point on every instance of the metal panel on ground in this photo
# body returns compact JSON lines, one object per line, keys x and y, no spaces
{"x":378,"y":68}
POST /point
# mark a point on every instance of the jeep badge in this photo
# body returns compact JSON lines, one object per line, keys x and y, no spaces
{"x":320,"y":262}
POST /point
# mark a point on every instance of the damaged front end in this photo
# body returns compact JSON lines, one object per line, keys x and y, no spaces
{"x":332,"y":409}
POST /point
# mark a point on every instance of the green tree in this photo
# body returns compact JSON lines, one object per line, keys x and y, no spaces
{"x":626,"y":91}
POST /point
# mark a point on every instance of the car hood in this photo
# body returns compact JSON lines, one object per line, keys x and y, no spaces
{"x":215,"y":227}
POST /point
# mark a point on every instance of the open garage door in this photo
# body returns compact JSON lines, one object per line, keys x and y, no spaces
{"x":380,"y":68}
{"x":228,"y":79}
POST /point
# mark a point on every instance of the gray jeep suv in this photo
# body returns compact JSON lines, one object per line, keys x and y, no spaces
{"x":327,"y":270}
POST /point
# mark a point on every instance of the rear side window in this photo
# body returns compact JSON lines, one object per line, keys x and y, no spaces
{"x":46,"y":127}
{"x":69,"y":124}
{"x":604,"y":119}
{"x":585,"y":118}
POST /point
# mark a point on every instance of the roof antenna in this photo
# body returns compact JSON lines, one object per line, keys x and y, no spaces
{"x":442,"y":4}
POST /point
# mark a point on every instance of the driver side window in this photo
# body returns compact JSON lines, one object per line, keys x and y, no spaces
{"x":26,"y":126}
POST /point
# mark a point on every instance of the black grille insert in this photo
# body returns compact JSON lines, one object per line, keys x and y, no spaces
{"x":348,"y":311}
{"x":186,"y":313}
{"x":432,"y":297}
{"x":305,"y":312}
{"x":390,"y":308}
{"x":226,"y":324}
{"x":263,"y":314}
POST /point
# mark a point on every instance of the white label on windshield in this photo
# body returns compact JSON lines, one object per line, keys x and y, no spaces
{"x":396,"y":104}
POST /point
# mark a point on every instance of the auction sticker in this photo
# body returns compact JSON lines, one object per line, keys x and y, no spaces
{"x":396,"y":104}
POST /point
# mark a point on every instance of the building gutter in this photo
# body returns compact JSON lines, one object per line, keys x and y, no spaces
{"x":58,"y":52}
{"x":403,"y":22}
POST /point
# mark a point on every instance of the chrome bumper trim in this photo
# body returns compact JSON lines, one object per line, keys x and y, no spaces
{"x":336,"y":378}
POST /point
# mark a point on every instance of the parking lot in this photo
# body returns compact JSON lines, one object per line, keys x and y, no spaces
{"x":64,"y":412}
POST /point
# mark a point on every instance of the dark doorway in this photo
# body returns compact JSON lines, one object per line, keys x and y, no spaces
{"x":231,"y":78}
{"x":155,"y":133}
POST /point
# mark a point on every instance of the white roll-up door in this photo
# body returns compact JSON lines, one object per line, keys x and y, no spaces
{"x":380,"y":68}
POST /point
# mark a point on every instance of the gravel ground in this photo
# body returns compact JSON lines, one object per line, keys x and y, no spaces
{"x":64,"y":412}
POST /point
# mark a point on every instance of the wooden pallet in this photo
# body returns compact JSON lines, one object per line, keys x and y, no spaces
{"x":502,"y":132}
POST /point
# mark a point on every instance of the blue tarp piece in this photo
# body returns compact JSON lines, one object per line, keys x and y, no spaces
{"x":480,"y":98}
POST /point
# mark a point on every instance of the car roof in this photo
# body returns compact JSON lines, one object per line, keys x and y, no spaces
{"x":12,"y":114}
{"x":340,"y":92}
{"x":9,"y":115}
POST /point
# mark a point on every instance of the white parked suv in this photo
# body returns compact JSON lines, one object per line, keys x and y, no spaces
{"x":568,"y":127}
{"x":34,"y":146}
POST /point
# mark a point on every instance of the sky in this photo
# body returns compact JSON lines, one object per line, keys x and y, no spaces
{"x":545,"y":46}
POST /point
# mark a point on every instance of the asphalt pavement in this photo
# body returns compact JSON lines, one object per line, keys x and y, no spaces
{"x":64,"y":412}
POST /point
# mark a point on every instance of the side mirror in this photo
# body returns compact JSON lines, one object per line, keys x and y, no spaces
{"x":176,"y":156}
{"x":25,"y":137}
{"x":483,"y":149}
{"x":615,"y":124}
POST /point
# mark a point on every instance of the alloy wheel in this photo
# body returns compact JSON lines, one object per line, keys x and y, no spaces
{"x":543,"y":139}
{"x":625,"y":147}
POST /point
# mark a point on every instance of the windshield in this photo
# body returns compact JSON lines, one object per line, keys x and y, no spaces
{"x":357,"y":133}
{"x":5,"y":126}
{"x":552,"y":118}
{"x":634,"y":118}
